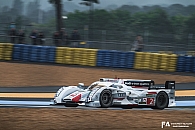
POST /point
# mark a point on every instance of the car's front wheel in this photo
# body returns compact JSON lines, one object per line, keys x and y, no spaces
{"x":106,"y":98}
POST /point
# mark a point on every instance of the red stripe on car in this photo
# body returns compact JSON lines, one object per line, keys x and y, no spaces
{"x":76,"y":98}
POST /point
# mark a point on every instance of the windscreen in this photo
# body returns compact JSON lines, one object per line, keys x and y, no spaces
{"x":94,"y":86}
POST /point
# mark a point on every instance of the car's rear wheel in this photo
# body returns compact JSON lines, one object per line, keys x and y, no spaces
{"x":71,"y":105}
{"x":106,"y":98}
{"x":162,"y":100}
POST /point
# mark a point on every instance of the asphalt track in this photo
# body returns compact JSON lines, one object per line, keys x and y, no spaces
{"x":6,"y":103}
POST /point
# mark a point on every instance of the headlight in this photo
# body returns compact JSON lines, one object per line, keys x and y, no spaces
{"x":121,"y":94}
{"x":59,"y":91}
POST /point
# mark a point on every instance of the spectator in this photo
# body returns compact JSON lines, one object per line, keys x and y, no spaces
{"x":21,"y":36}
{"x":12,"y":35}
{"x":56,"y":38}
{"x":41,"y":38}
{"x":75,"y":37}
{"x":66,"y":39}
{"x":33,"y":36}
{"x":61,"y":35}
{"x":138,"y":44}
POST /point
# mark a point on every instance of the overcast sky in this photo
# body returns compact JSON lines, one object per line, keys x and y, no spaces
{"x":45,"y":4}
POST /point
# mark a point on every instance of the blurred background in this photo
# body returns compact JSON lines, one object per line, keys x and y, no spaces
{"x":105,"y":24}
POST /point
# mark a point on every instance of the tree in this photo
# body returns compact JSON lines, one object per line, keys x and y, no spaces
{"x":17,"y":7}
{"x":58,"y":6}
{"x":190,"y":24}
{"x":131,"y":8}
{"x":90,"y":3}
{"x":33,"y":11}
{"x":176,"y":9}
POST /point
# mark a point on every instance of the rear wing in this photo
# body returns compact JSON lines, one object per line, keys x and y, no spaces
{"x":150,"y":84}
{"x":168,"y":85}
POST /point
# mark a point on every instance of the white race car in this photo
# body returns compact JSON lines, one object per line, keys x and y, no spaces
{"x":125,"y":93}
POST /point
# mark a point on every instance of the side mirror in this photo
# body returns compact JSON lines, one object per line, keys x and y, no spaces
{"x":80,"y":84}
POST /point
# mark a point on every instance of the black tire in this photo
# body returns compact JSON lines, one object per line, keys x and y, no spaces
{"x":106,"y":98}
{"x":162,"y":100}
{"x":71,"y":105}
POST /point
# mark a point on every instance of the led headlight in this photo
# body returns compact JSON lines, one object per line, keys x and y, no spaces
{"x":121,"y":94}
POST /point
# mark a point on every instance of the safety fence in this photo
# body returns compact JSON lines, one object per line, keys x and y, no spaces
{"x":94,"y":57}
{"x":179,"y":48}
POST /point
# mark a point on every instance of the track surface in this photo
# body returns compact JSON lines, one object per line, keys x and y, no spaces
{"x":190,"y":105}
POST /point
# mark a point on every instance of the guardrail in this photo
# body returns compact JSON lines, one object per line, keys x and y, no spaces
{"x":114,"y":45}
{"x":94,"y":57}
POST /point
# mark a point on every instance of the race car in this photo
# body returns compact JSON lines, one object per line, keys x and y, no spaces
{"x":124,"y":93}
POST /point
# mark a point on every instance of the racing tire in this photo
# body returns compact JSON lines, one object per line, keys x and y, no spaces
{"x":106,"y":98}
{"x":162,"y":101}
{"x":71,"y":105}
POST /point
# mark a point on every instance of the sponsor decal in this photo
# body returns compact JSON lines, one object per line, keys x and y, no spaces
{"x":136,"y":83}
{"x":150,"y":101}
{"x":144,"y":99}
{"x":157,"y":87}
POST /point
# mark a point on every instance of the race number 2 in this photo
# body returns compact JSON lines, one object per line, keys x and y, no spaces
{"x":150,"y":101}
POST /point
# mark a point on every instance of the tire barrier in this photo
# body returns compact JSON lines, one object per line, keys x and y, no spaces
{"x":113,"y":58}
{"x":191,"y":53}
{"x":155,"y":61}
{"x":6,"y":51}
{"x":193,"y":66}
{"x":186,"y":64}
{"x":76,"y":56}
{"x":32,"y":53}
{"x":163,"y":61}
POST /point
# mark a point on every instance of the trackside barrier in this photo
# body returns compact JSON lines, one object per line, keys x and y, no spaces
{"x":76,"y":56}
{"x":113,"y":58}
{"x":6,"y":51}
{"x":164,"y":61}
{"x":186,"y":64}
{"x":155,"y":61}
{"x":32,"y":53}
{"x":192,"y":53}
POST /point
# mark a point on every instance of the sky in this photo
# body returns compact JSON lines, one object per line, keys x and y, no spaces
{"x":104,"y":3}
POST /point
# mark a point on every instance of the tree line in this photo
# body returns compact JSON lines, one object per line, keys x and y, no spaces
{"x":121,"y":24}
{"x":174,"y":23}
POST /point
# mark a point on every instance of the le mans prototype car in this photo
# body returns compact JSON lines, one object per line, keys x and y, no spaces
{"x":125,"y":93}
